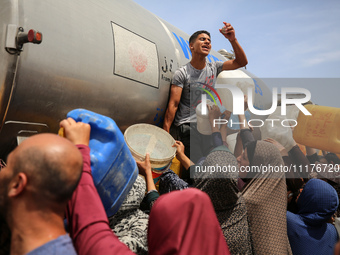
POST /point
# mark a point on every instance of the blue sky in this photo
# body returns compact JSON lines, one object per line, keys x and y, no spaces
{"x":282,"y":39}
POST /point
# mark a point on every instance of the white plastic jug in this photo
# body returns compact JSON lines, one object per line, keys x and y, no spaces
{"x":203,"y":123}
{"x":236,"y":78}
{"x":279,"y":131}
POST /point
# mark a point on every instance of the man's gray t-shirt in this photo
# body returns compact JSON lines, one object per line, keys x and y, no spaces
{"x":193,"y":82}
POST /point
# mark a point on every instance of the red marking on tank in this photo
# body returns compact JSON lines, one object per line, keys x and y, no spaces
{"x":138,"y":58}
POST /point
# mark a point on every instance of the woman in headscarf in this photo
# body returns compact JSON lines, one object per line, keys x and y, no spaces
{"x":221,"y":186}
{"x":265,"y":194}
{"x":229,"y":204}
{"x":309,"y":231}
{"x":130,"y":223}
{"x":184,"y":223}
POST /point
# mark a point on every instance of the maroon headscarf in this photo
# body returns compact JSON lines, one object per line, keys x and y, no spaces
{"x":184,"y":222}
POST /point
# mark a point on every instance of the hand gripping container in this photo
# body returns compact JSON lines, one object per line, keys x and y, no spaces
{"x":114,"y":170}
{"x":321,"y":130}
{"x":145,"y":138}
{"x":203,"y":122}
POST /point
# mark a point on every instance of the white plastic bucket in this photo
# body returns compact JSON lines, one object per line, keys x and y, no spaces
{"x":231,"y":141}
{"x":275,"y":130}
{"x":146,"y":138}
{"x":236,"y":78}
{"x":203,"y":123}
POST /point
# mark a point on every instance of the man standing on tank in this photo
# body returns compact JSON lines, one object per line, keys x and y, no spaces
{"x":191,"y":78}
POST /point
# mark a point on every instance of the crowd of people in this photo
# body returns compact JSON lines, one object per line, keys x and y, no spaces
{"x":49,"y":203}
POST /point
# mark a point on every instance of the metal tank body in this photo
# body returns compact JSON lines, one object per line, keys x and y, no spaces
{"x":108,"y":56}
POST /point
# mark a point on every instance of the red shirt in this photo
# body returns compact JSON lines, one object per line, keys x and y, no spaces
{"x":86,"y":217}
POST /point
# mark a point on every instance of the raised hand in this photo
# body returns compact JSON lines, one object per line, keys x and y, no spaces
{"x":76,"y":132}
{"x":228,"y":31}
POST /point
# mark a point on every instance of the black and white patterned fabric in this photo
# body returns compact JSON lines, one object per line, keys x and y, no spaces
{"x":266,"y":201}
{"x":222,"y":189}
{"x":130,"y":223}
{"x":228,"y":202}
{"x":169,"y":181}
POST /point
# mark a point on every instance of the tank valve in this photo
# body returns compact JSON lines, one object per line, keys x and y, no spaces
{"x":31,"y":36}
{"x":16,"y":38}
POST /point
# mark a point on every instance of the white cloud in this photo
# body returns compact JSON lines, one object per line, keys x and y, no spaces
{"x":321,"y":58}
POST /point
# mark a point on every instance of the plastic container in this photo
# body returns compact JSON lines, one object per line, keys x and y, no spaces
{"x":234,"y":120}
{"x":275,"y":129}
{"x":146,"y":138}
{"x":231,"y":141}
{"x":176,"y":166}
{"x":114,"y":170}
{"x":321,"y":130}
{"x":236,"y":78}
{"x":203,"y":123}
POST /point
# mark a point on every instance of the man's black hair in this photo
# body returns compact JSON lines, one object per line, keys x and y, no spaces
{"x":194,"y":36}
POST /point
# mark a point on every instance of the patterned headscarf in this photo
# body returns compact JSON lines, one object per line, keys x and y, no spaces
{"x":228,"y":203}
{"x":266,"y":201}
{"x":130,"y":223}
{"x":220,"y":186}
{"x":170,"y":181}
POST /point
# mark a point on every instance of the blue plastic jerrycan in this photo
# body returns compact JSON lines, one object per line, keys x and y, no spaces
{"x":114,"y":170}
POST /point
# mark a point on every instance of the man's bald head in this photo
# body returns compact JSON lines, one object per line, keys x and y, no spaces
{"x":52,"y":164}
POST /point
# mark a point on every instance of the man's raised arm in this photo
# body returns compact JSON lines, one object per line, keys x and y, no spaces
{"x":240,"y":57}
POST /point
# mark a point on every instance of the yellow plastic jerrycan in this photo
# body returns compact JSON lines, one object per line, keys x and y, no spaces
{"x":321,"y":130}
